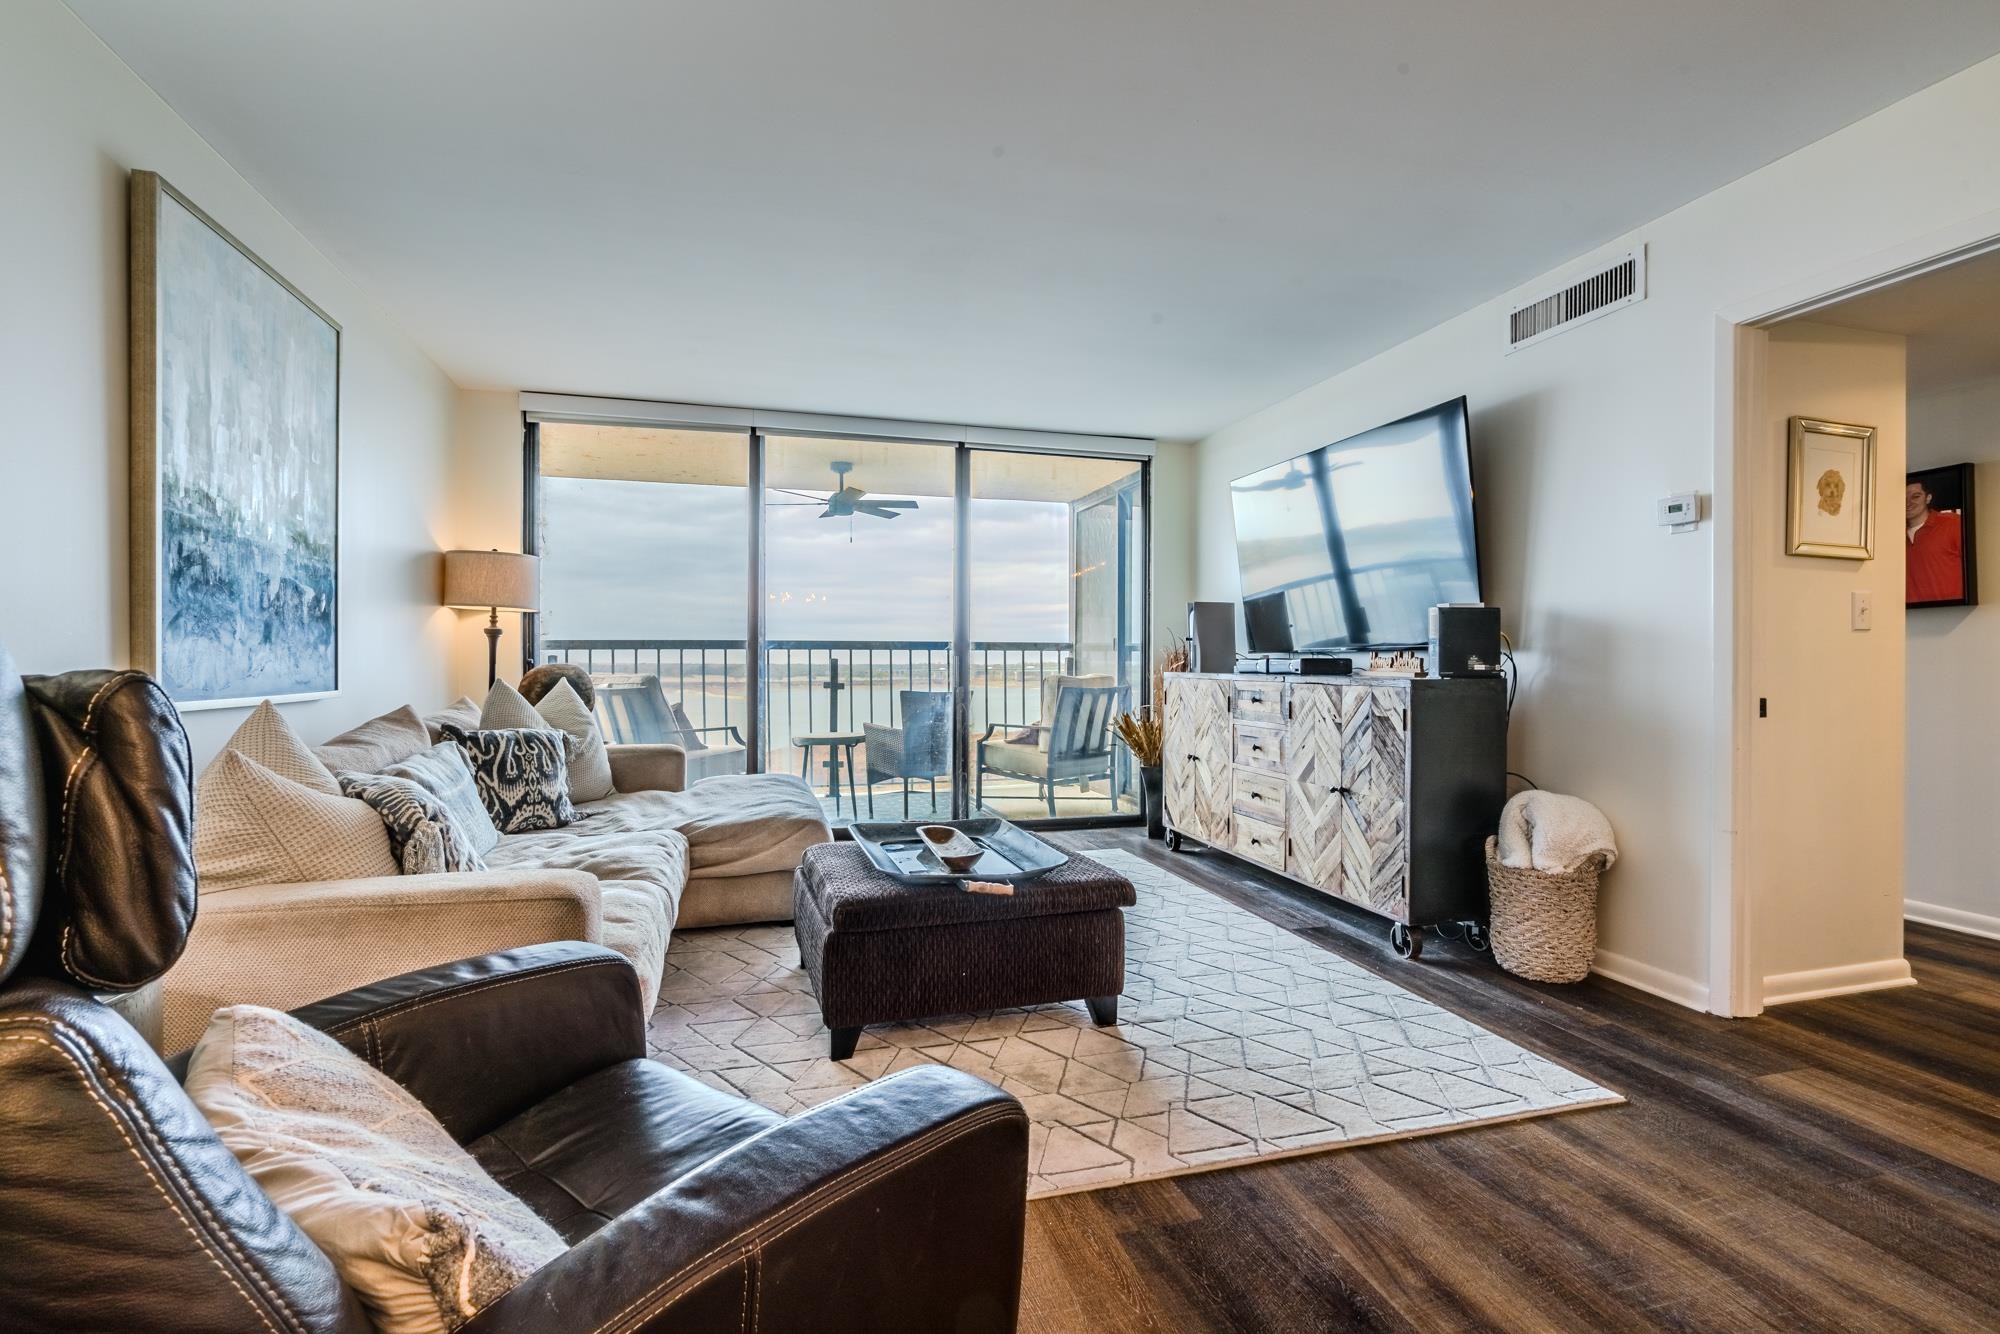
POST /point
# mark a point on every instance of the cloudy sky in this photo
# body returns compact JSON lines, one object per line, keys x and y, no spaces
{"x":643,"y":560}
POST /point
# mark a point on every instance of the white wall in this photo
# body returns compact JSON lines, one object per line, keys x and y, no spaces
{"x":486,"y":481}
{"x":73,"y":121}
{"x":1577,"y":436}
{"x":1952,"y":862}
{"x":1826,"y":765}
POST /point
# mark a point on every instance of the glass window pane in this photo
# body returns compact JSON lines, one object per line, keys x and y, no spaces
{"x":858,"y":543}
{"x":644,"y":535}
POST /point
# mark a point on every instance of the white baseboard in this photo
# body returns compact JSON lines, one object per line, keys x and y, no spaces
{"x":1656,"y":981}
{"x":1952,"y":919}
{"x":1815,"y":983}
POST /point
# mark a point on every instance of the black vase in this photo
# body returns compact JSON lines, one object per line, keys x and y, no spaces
{"x":1149,"y":800}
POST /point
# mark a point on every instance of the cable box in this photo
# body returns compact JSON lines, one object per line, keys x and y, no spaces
{"x":1295,"y":664}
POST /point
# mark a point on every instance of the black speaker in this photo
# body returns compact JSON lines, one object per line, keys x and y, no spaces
{"x":1211,"y":636}
{"x":1465,"y":640}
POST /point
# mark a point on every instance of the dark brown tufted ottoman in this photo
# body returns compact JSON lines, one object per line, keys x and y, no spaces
{"x":879,"y":951}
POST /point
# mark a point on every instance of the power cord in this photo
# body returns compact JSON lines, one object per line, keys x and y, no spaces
{"x":1513,"y":672}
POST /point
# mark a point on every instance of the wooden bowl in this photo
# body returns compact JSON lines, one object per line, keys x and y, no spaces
{"x":951,"y":846}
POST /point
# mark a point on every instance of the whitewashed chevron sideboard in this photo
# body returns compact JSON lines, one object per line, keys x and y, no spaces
{"x":1377,"y":790}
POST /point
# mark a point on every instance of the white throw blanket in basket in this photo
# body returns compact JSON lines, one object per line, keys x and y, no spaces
{"x":1546,"y":831}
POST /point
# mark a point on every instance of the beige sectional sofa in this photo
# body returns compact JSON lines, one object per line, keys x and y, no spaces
{"x":653,"y":855}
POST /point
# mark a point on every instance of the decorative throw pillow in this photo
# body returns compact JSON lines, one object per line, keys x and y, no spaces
{"x":267,"y":738}
{"x":376,"y":744}
{"x":410,"y":1220}
{"x":464,"y":711}
{"x":443,"y":772}
{"x":252,"y":827}
{"x":522,"y":776}
{"x":506,"y":707}
{"x":422,"y":833}
{"x":589,"y":761}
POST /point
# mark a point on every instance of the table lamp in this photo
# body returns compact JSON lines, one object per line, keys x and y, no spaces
{"x":492,"y":581}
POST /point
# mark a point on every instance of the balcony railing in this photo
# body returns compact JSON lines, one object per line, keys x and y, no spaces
{"x":815,"y":685}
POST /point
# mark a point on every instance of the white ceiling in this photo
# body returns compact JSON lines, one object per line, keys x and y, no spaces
{"x":1133,"y":216}
{"x":1951,"y":316}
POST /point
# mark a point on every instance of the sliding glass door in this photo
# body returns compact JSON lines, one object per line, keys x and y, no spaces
{"x":921,"y":630}
{"x":1058,"y":631}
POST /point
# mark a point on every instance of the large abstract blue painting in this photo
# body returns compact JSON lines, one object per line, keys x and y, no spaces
{"x":243,"y":472}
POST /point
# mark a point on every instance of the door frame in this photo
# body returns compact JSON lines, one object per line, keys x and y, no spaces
{"x":1735,"y":980}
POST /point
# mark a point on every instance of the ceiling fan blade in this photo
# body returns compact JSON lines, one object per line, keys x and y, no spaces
{"x":803,"y":495}
{"x":829,"y":513}
{"x":879,"y":511}
{"x":895,"y":504}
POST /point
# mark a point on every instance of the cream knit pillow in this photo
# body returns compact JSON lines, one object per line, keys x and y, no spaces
{"x":253,"y":827}
{"x":267,"y":738}
{"x":589,"y":762}
{"x":411,"y":1222}
{"x":507,"y":709}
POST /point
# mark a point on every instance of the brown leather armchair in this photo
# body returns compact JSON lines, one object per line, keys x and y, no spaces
{"x":899,"y":1206}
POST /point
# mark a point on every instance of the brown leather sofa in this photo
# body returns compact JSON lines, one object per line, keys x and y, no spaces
{"x":897,"y":1207}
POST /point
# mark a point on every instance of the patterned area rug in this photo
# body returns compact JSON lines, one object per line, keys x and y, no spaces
{"x":1236,"y":1041}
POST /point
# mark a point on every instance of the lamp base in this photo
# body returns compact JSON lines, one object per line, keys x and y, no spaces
{"x":492,"y":650}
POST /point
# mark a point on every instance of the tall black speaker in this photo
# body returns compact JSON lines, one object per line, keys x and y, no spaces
{"x":1211,"y":636}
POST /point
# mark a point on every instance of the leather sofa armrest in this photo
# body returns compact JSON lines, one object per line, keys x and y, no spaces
{"x":897,"y":1206}
{"x":283,"y":946}
{"x":649,"y":767}
{"x":481,"y":1040}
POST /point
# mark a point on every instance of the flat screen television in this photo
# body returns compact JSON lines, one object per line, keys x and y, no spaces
{"x":1351,"y":545}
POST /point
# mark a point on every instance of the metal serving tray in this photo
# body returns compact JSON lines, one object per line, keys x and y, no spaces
{"x":1007,"y":852}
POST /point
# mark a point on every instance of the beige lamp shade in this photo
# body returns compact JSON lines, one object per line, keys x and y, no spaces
{"x":502,"y":580}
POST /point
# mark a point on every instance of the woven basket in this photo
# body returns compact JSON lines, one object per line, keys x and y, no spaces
{"x":1543,"y":925}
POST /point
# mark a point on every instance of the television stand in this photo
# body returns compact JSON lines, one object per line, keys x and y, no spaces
{"x":1376,"y":790}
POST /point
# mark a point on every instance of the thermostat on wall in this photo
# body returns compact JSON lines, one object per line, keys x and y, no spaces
{"x":1681,"y":513}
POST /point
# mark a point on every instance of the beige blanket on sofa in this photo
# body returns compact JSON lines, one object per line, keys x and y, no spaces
{"x":735,"y":824}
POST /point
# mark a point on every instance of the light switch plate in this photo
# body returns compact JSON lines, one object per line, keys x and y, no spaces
{"x":1861,"y":610}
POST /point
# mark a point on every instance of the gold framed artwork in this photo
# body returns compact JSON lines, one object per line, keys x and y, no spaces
{"x":1831,"y":485}
{"x":235,"y":556}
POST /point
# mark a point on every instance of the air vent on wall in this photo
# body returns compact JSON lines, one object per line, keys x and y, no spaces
{"x":1620,"y":284}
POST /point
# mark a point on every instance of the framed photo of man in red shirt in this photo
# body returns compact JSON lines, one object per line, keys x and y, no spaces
{"x":1941,"y":569}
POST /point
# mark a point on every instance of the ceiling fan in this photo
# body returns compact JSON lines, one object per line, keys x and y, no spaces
{"x":849,"y":500}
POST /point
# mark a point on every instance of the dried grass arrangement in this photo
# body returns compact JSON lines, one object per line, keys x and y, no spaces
{"x":1142,"y":736}
{"x":1142,"y":732}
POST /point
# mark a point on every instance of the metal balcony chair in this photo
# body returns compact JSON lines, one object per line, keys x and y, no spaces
{"x":919,"y":749}
{"x":634,"y":709}
{"x":1071,"y":745}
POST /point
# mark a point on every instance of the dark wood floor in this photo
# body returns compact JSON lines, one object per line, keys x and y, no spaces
{"x":1832,"y":1165}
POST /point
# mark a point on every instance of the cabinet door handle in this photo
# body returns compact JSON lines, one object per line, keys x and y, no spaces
{"x":1254,"y":746}
{"x":1342,"y":791}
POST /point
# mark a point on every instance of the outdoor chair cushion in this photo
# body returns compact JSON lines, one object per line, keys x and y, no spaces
{"x":1030,"y":760}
